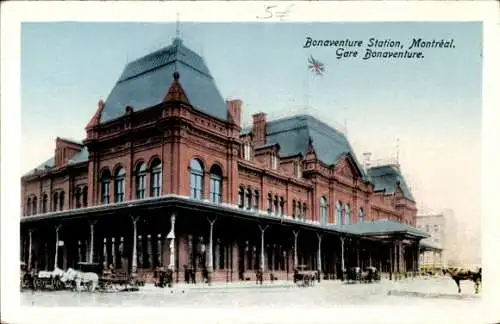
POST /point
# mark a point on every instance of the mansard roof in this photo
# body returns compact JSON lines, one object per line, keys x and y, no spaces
{"x":145,"y":83}
{"x":79,"y":157}
{"x":293,"y":134}
{"x":387,"y":177}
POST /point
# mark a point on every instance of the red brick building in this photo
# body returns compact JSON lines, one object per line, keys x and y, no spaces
{"x":167,"y":176}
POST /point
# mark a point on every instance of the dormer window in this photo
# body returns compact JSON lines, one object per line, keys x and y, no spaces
{"x":298,"y":170}
{"x":247,"y":150}
{"x":274,"y":161}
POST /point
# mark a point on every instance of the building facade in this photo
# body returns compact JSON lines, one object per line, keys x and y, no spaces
{"x":435,"y":226}
{"x":167,"y":176}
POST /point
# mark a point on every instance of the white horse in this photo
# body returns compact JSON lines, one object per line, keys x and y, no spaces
{"x":89,"y":278}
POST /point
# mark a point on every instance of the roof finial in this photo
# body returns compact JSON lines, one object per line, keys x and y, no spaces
{"x":178,"y":27}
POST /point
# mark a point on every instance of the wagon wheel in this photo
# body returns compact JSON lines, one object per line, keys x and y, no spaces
{"x":57,"y":284}
{"x":38,"y":284}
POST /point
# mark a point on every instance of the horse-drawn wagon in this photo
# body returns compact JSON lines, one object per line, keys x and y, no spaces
{"x":355,"y":274}
{"x":304,"y":277}
{"x":107,"y":279}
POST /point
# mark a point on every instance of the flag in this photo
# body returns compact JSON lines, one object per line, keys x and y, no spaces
{"x":316,"y":66}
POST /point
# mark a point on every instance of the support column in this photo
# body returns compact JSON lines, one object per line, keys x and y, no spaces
{"x":262,"y":230}
{"x":91,"y":252}
{"x":357,"y":253}
{"x":105,"y":252}
{"x":57,"y":246}
{"x":113,"y":252}
{"x":295,"y":260}
{"x":171,"y":237}
{"x":210,"y":261}
{"x":319,"y":235}
{"x":159,"y":250}
{"x":149,"y":248}
{"x":342,"y":260}
{"x":30,"y":233}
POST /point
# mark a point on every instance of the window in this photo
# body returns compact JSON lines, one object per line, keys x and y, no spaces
{"x":140,"y":181}
{"x":338,"y":213}
{"x":361,"y":216}
{"x":216,"y":184}
{"x":61,"y":201}
{"x":298,"y":170}
{"x":294,"y":209}
{"x":77,"y":198}
{"x":248,"y":198}
{"x":45,"y":200}
{"x":298,"y":213}
{"x":269,"y":203}
{"x":119,"y":185}
{"x":348,"y":218}
{"x":28,"y":207}
{"x":247,"y":151}
{"x":241,"y":197}
{"x":55,"y":202}
{"x":276,"y":205}
{"x":323,"y":211}
{"x":304,"y":211}
{"x":105,"y":181}
{"x":85,"y":194}
{"x":256,"y":200}
{"x":34,"y":206}
{"x":156,"y":178}
{"x":274,"y":161}
{"x":196,"y":171}
{"x":282,"y":206}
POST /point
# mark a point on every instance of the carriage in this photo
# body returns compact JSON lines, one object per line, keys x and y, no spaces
{"x":108,"y":278}
{"x":163,"y":277}
{"x":41,"y":280}
{"x":355,"y":274}
{"x":304,"y":277}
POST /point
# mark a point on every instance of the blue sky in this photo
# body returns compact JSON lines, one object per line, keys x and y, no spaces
{"x":432,"y":105}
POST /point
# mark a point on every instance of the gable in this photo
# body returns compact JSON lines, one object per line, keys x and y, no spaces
{"x":347,"y":167}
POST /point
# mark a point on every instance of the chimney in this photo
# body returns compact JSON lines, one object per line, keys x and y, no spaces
{"x":259,"y":128}
{"x":234,"y":111}
{"x":367,"y":160}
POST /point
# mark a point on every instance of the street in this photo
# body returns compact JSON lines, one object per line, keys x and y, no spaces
{"x":417,"y":292}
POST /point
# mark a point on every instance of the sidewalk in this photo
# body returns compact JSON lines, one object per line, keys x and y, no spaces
{"x":222,"y":285}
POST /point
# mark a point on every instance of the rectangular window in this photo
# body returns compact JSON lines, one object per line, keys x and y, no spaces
{"x":256,"y":200}
{"x":215,"y":190}
{"x":156,"y":184}
{"x":140,"y":186}
{"x":105,"y":193}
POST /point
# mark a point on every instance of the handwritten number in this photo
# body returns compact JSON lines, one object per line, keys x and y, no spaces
{"x":279,"y":14}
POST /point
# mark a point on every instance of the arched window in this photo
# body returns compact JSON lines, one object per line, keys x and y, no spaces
{"x":338,"y":213}
{"x":156,"y":178}
{"x":294,"y":209}
{"x":323,"y":211}
{"x":248,"y":198}
{"x":196,"y":170}
{"x":299,"y":210}
{"x":247,"y":151}
{"x":256,"y":200}
{"x":45,"y":201}
{"x":269,"y":203}
{"x":361,"y":216}
{"x":216,"y":184}
{"x":55,"y":202}
{"x":347,"y":215}
{"x":77,"y":198}
{"x":140,"y":181}
{"x":241,"y":197}
{"x":282,"y":206}
{"x":35,"y":206}
{"x":119,"y":185}
{"x":28,"y":207}
{"x":276,"y":205}
{"x":105,"y":181}
{"x":61,"y":200}
{"x":304,"y":211}
{"x":85,"y":196}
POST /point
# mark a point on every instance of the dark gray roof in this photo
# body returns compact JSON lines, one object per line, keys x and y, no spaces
{"x":293,"y":135}
{"x":424,"y":245}
{"x":379,"y":227}
{"x":79,"y":157}
{"x":145,"y":82}
{"x":386,"y":178}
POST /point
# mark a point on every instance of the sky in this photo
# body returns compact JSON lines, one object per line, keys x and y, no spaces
{"x":432,"y":105}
